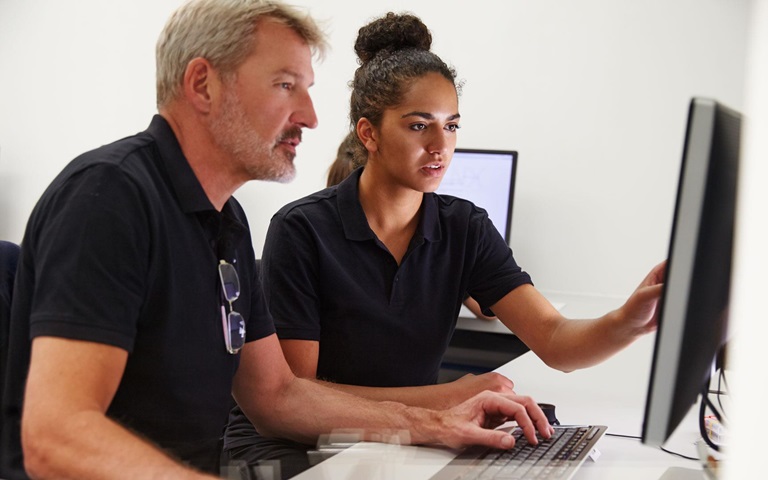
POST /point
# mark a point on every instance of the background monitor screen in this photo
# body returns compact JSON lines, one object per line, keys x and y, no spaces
{"x":487,"y":179}
{"x":694,"y":301}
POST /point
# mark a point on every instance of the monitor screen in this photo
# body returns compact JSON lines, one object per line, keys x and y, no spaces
{"x":487,"y":179}
{"x":694,"y":301}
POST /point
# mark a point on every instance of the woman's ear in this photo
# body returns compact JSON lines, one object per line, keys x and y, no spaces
{"x":367,"y":134}
{"x":201,"y":84}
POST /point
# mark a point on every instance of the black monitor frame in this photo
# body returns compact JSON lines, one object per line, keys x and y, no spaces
{"x":694,"y":303}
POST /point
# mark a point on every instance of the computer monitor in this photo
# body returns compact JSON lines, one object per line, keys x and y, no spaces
{"x":487,"y":179}
{"x":694,"y":302}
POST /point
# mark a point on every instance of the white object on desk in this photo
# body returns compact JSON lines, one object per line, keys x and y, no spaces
{"x":379,"y":461}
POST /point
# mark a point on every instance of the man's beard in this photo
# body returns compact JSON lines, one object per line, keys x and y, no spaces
{"x":255,"y":155}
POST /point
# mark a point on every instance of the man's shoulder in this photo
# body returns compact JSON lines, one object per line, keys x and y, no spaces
{"x":119,"y":169}
{"x":118,"y":151}
{"x":133,"y":157}
{"x":146,"y":142}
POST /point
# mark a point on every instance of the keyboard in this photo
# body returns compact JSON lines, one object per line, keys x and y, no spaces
{"x":555,"y":458}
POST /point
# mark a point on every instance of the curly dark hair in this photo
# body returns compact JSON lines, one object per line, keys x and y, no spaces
{"x":393,"y":51}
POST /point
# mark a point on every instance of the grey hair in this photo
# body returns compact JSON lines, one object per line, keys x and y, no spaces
{"x":221,"y":31}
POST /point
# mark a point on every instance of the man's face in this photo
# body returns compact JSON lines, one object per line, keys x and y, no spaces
{"x":265,"y":105}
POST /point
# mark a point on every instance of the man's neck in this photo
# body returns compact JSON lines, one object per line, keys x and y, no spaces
{"x":207,"y":162}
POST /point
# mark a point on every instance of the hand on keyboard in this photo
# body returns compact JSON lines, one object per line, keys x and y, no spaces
{"x":473,"y":422}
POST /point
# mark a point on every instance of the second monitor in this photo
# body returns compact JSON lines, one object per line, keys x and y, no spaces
{"x":487,"y":179}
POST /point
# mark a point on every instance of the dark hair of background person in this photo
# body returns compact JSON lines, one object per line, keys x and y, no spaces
{"x":349,"y":156}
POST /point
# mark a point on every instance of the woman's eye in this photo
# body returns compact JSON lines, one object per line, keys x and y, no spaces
{"x":453,"y":127}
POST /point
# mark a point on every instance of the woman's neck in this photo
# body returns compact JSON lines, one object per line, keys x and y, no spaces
{"x":392,"y":212}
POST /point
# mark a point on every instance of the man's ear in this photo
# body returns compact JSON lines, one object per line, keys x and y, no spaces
{"x":201,"y":84}
{"x":367,"y":134}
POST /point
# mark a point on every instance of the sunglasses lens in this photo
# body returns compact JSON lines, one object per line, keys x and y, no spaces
{"x":236,"y":332}
{"x":229,"y":281}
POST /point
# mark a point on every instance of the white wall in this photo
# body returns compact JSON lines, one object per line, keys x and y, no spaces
{"x":749,"y":383}
{"x":592,"y":93}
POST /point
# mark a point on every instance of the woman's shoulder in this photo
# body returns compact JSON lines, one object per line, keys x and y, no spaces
{"x":457,"y":206}
{"x":315,"y":202}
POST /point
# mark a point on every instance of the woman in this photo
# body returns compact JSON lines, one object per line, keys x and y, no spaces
{"x":365,"y":279}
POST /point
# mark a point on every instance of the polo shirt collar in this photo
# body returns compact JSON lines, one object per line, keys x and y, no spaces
{"x":355,"y":224}
{"x":186,"y":186}
{"x":225,"y":227}
{"x":430,"y":218}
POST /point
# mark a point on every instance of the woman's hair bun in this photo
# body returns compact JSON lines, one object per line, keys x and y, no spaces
{"x":390,"y":33}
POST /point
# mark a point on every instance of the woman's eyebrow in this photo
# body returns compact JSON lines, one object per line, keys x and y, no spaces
{"x":428,"y":116}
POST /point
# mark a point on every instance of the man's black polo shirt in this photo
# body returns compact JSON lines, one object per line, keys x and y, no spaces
{"x":122,"y":249}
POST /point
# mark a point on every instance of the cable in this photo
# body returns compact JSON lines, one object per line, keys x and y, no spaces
{"x":635,"y":437}
{"x":678,"y":454}
{"x":706,"y":402}
{"x":621,"y":435}
{"x":721,"y":379}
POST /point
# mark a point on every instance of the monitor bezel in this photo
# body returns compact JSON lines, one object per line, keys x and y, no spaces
{"x":685,"y":349}
{"x":512,"y":181}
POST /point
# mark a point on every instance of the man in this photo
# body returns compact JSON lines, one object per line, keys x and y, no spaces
{"x":137,"y":279}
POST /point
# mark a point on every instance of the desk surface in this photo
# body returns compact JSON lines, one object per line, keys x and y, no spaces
{"x":612,"y":393}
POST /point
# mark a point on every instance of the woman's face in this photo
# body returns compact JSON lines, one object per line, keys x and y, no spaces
{"x":416,"y":139}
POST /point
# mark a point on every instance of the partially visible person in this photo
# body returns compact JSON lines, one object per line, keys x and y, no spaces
{"x":9,"y":257}
{"x":137,"y":283}
{"x":349,"y":156}
{"x":365,"y":279}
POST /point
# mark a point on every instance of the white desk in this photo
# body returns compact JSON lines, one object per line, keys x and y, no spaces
{"x":612,"y":393}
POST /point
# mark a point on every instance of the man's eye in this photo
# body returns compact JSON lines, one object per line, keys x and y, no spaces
{"x":418,"y":126}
